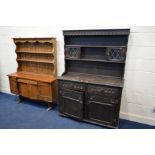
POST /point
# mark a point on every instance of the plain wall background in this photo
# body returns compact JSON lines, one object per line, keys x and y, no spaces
{"x":138,"y":98}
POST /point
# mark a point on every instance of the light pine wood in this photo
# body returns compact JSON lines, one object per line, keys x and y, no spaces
{"x":36,"y":73}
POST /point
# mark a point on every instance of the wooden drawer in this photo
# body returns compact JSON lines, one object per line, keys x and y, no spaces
{"x":72,"y":85}
{"x":76,"y":95}
{"x":105,"y":91}
{"x":92,"y":97}
{"x":27,"y":81}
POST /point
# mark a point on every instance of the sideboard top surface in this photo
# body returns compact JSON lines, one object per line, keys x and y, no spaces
{"x":30,"y":76}
{"x":93,"y":79}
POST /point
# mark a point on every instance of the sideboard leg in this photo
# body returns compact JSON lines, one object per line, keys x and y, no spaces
{"x":20,"y":99}
{"x":49,"y":106}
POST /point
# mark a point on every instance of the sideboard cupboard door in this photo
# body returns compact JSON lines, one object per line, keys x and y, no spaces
{"x":45,"y":91}
{"x":72,"y":103}
{"x":28,"y":88}
{"x":33,"y":91}
{"x":23,"y":88}
{"x":100,"y":112}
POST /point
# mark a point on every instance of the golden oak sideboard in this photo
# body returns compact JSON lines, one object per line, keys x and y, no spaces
{"x":36,"y":73}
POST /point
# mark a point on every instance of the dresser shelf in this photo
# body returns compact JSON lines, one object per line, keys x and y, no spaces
{"x":95,"y":60}
{"x":34,"y":52}
{"x":38,"y":61}
{"x":94,"y":46}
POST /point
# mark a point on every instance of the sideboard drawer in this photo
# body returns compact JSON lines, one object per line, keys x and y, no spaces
{"x":27,"y":81}
{"x":72,"y":85}
{"x":105,"y":91}
{"x":101,"y":99}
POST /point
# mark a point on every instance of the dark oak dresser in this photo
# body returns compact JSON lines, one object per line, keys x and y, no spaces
{"x":36,"y":73}
{"x":90,"y":88}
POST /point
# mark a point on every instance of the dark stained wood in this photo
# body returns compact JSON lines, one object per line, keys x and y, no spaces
{"x":93,"y":79}
{"x":90,"y":88}
{"x":94,"y":60}
{"x":95,"y":68}
{"x":94,"y":46}
{"x":98,"y":32}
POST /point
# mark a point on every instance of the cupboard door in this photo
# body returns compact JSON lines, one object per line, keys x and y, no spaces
{"x":13,"y":85}
{"x":23,"y":89}
{"x":71,"y":103}
{"x":45,"y":91}
{"x":28,"y":88}
{"x":33,"y":90}
{"x":99,"y":111}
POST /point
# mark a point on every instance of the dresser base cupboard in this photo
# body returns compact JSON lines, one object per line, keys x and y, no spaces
{"x":35,"y":88}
